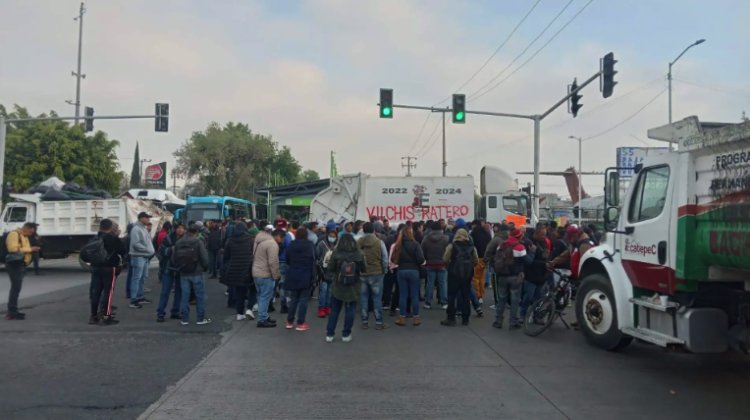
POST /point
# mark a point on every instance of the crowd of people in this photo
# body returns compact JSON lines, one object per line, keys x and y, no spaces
{"x":385,"y":271}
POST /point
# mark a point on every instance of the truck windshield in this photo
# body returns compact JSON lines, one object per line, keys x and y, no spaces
{"x":515,"y":204}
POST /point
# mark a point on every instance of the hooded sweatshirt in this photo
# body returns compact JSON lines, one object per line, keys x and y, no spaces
{"x":266,"y":257}
{"x":376,"y":256}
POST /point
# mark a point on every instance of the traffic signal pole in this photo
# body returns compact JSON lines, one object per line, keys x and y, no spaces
{"x":5,"y":121}
{"x":536,"y":118}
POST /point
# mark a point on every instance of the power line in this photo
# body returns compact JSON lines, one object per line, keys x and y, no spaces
{"x":528,"y":46}
{"x":628,"y":118}
{"x":419,"y":136}
{"x":429,"y":138}
{"x":536,"y":52}
{"x":431,"y":144}
{"x":564,"y":122}
{"x":497,"y":50}
{"x":729,"y":91}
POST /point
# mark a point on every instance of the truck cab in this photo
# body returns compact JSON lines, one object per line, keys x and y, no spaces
{"x":498,"y":207}
{"x":15,"y":214}
{"x":674,"y":269}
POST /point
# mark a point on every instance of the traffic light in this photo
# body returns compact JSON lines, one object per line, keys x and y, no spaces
{"x":459,"y":108}
{"x":88,"y":121}
{"x":162,"y":118}
{"x":608,"y":75}
{"x":386,"y":103}
{"x":575,"y":99}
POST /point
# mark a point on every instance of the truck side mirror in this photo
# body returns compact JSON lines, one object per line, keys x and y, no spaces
{"x":611,"y":216}
{"x":613,"y":189}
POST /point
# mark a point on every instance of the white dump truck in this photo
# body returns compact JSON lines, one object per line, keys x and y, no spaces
{"x":398,"y":199}
{"x":501,"y":198}
{"x":674,"y":269}
{"x":65,"y":226}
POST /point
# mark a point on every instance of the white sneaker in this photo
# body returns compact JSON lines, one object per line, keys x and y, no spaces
{"x":481,"y":301}
{"x":445,"y":306}
{"x":204,"y":322}
{"x":249,"y":313}
{"x":347,"y":339}
{"x":329,"y":339}
{"x":492,"y":307}
{"x":241,"y":317}
{"x":255,"y":308}
{"x":427,"y":306}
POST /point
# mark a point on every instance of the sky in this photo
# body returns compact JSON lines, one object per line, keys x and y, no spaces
{"x":308,"y":74}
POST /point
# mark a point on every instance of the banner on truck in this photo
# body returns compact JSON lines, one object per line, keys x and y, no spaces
{"x":156,"y":176}
{"x":420,"y":198}
{"x":629,"y":157}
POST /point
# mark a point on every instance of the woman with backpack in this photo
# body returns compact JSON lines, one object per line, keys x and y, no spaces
{"x":299,"y":277}
{"x":323,"y":253}
{"x":238,"y":261}
{"x":460,"y":257}
{"x":347,"y":262}
{"x":407,"y":254}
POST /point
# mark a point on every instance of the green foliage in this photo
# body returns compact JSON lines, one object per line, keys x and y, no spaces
{"x":309,"y":176}
{"x":35,"y":151}
{"x":231,"y":160}
{"x":135,"y":173}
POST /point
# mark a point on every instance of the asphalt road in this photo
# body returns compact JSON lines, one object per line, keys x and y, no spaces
{"x":54,"y":365}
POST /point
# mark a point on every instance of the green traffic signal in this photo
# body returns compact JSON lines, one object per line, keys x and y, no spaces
{"x":386,"y":112}
{"x":459,"y":116}
{"x":459,"y":108}
{"x":386,"y":103}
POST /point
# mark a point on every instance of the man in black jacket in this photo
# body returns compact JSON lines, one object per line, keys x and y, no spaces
{"x":103,"y":276}
{"x":481,"y":238}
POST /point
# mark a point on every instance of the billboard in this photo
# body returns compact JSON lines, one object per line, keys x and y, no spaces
{"x":629,"y":157}
{"x":156,"y":176}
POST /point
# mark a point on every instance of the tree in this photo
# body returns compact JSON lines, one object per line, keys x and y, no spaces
{"x":231,"y":160}
{"x":36,"y":151}
{"x":135,"y":173}
{"x":309,"y":176}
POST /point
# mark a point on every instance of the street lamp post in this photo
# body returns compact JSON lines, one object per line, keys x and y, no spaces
{"x":669,"y":73}
{"x":580,"y":172}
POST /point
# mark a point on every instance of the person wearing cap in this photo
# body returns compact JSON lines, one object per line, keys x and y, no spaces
{"x":510,"y":281}
{"x":578,"y":244}
{"x":18,"y":257}
{"x":141,"y":250}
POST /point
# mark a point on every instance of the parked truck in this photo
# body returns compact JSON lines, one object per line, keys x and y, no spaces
{"x":675,"y":267}
{"x":65,"y":226}
{"x":501,"y":198}
{"x":398,"y":199}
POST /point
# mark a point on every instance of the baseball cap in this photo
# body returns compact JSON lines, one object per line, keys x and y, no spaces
{"x":268,"y":228}
{"x":572,"y":231}
{"x":199,"y":224}
{"x":516,"y":233}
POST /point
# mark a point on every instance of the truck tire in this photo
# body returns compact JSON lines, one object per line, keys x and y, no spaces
{"x":596,"y":313}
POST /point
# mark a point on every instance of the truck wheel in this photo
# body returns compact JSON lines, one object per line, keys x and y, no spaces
{"x":596,"y":312}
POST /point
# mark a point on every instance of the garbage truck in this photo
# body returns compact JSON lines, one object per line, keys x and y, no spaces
{"x":674,"y":269}
{"x":398,"y":199}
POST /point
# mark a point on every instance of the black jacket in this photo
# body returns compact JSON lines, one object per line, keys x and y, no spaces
{"x":411,"y":256}
{"x":301,"y":259}
{"x":238,"y":260}
{"x":115,"y":250}
{"x":481,"y":238}
{"x":213,"y":242}
{"x":433,"y":247}
{"x":536,"y":271}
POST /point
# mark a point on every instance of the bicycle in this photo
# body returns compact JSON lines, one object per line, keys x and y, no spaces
{"x":542,"y":313}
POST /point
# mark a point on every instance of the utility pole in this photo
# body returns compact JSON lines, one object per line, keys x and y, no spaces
{"x":141,"y":169}
{"x":409,"y":166}
{"x":445,"y":163}
{"x":78,"y":73}
{"x":174,"y":182}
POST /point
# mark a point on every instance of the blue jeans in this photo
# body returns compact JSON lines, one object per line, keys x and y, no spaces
{"x":441,"y":276}
{"x":324,"y":295}
{"x":265,"y":288}
{"x":372,"y":286}
{"x":349,"y":309}
{"x":129,"y":279}
{"x":507,"y":285}
{"x":139,"y":265}
{"x":298,"y":300}
{"x":531,"y":292}
{"x":169,"y":279}
{"x":487,"y":276}
{"x":408,"y":286}
{"x":213,"y":262}
{"x":196,"y":281}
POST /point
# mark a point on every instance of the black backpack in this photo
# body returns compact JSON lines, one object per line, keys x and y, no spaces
{"x":504,"y":258}
{"x":185,"y":259}
{"x":462,"y":264}
{"x":349,"y":273}
{"x":94,"y":252}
